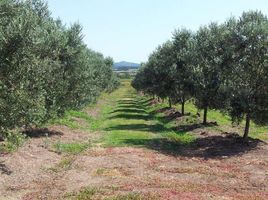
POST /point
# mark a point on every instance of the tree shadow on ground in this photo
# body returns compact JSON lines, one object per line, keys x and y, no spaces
{"x":131,"y":117}
{"x":160,"y":110}
{"x":43,"y":132}
{"x":191,"y":127}
{"x":172,"y":116}
{"x":122,"y":106}
{"x":146,"y":102}
{"x":142,"y":102}
{"x":212,"y":147}
{"x":4,"y":169}
{"x":137,"y":127}
{"x":128,"y":110}
{"x":139,"y":103}
{"x":128,"y":101}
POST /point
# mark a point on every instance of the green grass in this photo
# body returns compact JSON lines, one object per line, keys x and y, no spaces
{"x":66,"y":121}
{"x":64,"y":164}
{"x":90,"y":193}
{"x":120,"y":138}
{"x":126,"y":120}
{"x":13,"y":140}
{"x":225,"y":123}
{"x":130,"y":196}
{"x":223,"y":120}
{"x":80,"y":114}
{"x":85,"y":194}
{"x":70,"y":148}
{"x":127,"y":117}
{"x":70,"y":119}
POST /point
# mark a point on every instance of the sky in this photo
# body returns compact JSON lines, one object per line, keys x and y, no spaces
{"x":129,"y":30}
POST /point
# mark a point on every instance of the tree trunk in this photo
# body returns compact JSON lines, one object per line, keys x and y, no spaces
{"x":205,"y":115}
{"x":169,"y":102}
{"x":182,"y":108}
{"x":182,"y":105}
{"x":245,"y":136}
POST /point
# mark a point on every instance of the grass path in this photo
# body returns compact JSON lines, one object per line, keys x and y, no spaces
{"x":127,"y":119}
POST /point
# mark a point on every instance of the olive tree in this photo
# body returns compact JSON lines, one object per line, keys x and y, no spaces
{"x":249,"y":73}
{"x":210,"y":62}
{"x":183,"y":51}
{"x":45,"y":67}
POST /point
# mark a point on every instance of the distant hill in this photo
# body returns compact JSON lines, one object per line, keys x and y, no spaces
{"x":125,"y":66}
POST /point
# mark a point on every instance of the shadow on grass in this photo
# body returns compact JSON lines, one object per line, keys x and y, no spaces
{"x":128,"y":110}
{"x":131,"y":106}
{"x":191,"y":127}
{"x":174,"y":116}
{"x":146,"y":102}
{"x":171,"y":114}
{"x":140,"y":102}
{"x":160,"y":110}
{"x":211,"y":147}
{"x":4,"y":169}
{"x":122,"y":106}
{"x":208,"y":148}
{"x":131,"y":117}
{"x":137,"y":127}
{"x":38,"y":133}
{"x":127,"y":101}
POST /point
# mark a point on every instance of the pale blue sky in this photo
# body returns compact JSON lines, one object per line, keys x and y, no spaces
{"x":131,"y":29}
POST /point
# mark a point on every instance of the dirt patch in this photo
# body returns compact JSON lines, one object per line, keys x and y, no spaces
{"x":94,"y":111}
{"x":81,"y":122}
{"x":153,"y":102}
{"x":25,"y":166}
{"x":22,"y":170}
{"x":124,"y":170}
{"x":72,"y":135}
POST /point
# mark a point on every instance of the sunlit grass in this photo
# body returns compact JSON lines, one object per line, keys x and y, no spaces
{"x":126,"y":119}
{"x":70,"y":148}
{"x":84,"y":194}
{"x":222,"y":119}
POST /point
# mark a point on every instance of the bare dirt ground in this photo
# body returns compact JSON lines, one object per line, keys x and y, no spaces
{"x":33,"y":172}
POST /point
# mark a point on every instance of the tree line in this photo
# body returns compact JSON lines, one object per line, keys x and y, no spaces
{"x":220,"y":66}
{"x":45,"y":67}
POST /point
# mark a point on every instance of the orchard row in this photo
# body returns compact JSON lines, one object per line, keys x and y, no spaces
{"x":220,"y":66}
{"x":45,"y":67}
